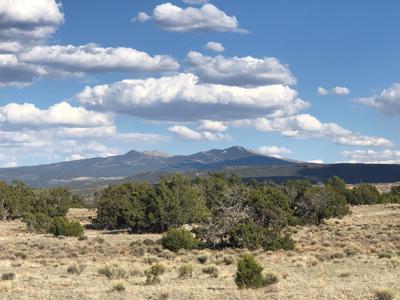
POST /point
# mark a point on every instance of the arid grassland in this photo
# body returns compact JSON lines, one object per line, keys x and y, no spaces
{"x":349,"y":258}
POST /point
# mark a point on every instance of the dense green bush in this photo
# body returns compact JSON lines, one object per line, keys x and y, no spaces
{"x":175,"y":239}
{"x":61,"y":226}
{"x":276,"y":239}
{"x":252,"y":236}
{"x":179,"y":202}
{"x":141,"y":207}
{"x":365,"y":194}
{"x":249,"y":273}
{"x":393,"y":196}
{"x":246,"y":235}
{"x":17,"y":200}
{"x":269,"y":206}
{"x":125,"y":205}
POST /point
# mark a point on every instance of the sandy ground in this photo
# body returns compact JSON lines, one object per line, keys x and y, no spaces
{"x":342,"y":259}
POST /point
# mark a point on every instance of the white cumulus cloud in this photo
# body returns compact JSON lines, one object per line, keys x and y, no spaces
{"x":307,"y":126}
{"x":274,"y":151}
{"x":239,"y":71}
{"x":387,"y":101}
{"x":215,"y":46}
{"x":206,"y":18}
{"x":337,"y":90}
{"x":209,"y":125}
{"x":94,"y":59}
{"x":386,"y":156}
{"x":62,"y":114}
{"x":29,"y":21}
{"x":190,"y":134}
{"x":182,"y":97}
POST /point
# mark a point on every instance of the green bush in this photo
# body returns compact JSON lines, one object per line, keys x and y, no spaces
{"x":275,"y":239}
{"x":175,"y":239}
{"x":141,"y":207}
{"x":319,"y":203}
{"x":248,"y":235}
{"x":364,"y":194}
{"x":252,"y":236}
{"x":61,"y":226}
{"x":38,"y":222}
{"x":249,"y":273}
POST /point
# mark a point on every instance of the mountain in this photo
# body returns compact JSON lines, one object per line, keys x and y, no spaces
{"x":133,"y":163}
{"x":149,"y":166}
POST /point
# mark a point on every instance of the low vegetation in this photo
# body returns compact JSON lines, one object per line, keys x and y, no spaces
{"x":175,"y":239}
{"x":215,"y":232}
{"x":249,"y":273}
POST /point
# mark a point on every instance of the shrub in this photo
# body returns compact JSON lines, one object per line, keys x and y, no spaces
{"x":153,"y":274}
{"x":319,"y":203}
{"x":384,"y":294}
{"x":185,"y":271}
{"x":119,"y":287}
{"x":175,"y":239}
{"x":270,"y":278}
{"x":211,"y":270}
{"x":74,"y":269}
{"x":246,"y":235}
{"x":252,"y":236}
{"x":249,"y":273}
{"x":148,"y":242}
{"x":38,"y":222}
{"x":202,"y":259}
{"x":8,"y":276}
{"x":61,"y":226}
{"x":227,"y":260}
{"x":275,"y":239}
{"x":113,"y":272}
{"x":364,"y":194}
{"x":151,"y":260}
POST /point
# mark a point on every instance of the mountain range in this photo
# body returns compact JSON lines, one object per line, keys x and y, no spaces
{"x":149,"y":166}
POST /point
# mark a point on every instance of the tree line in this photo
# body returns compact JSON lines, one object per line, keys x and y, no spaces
{"x":226,"y":212}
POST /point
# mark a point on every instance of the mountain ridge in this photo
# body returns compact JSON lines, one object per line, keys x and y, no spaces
{"x":150,"y":165}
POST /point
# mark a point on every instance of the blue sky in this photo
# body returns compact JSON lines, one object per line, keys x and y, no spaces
{"x":308,"y":80}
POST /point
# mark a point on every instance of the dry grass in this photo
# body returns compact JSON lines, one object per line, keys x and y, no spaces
{"x":341,"y":259}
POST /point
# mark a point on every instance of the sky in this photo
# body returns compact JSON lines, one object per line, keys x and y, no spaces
{"x":313,"y":80}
